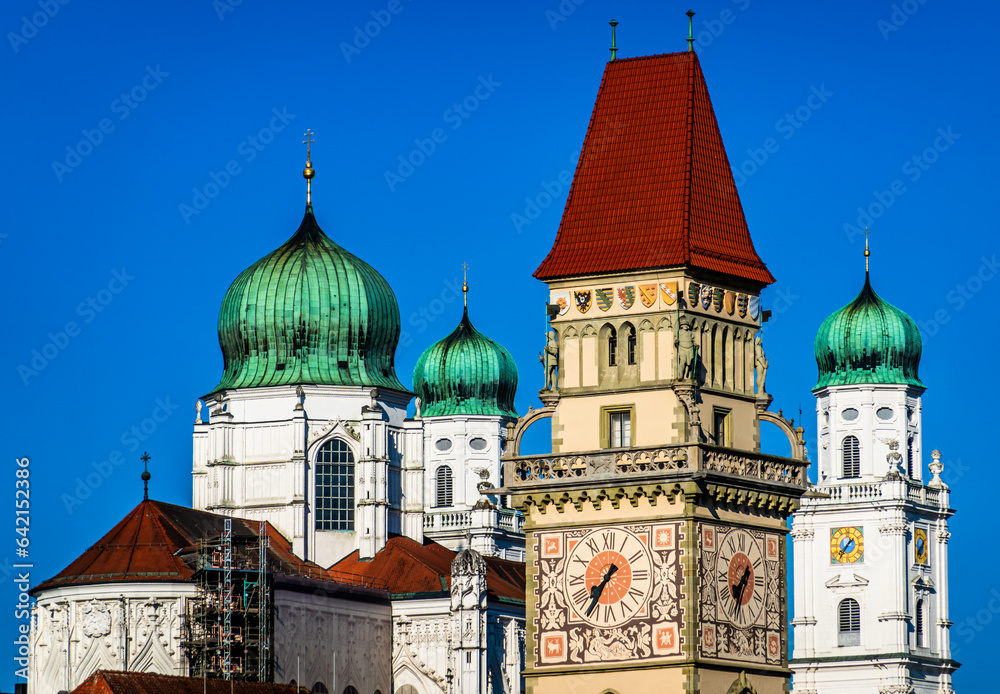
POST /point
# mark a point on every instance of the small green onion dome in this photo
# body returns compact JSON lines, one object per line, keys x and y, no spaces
{"x":466,"y":373}
{"x":869,"y":341}
{"x":309,"y":313}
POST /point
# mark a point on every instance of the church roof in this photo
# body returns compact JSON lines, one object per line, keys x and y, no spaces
{"x":653,"y":187}
{"x":411,"y":568}
{"x":156,"y":542}
{"x":113,"y":682}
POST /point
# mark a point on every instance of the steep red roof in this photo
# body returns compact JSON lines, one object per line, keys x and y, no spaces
{"x":112,"y":682}
{"x":409,"y":567}
{"x":653,"y":187}
{"x":157,"y":541}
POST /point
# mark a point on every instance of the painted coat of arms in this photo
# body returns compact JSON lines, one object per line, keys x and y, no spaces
{"x":669,"y":292}
{"x":647,"y":294}
{"x":562,"y":299}
{"x":605,"y":297}
{"x":753,"y":307}
{"x":718,"y":293}
{"x":706,"y":296}
{"x":584,"y":300}
{"x":626,"y":296}
{"x":694,"y":289}
{"x":729,"y":301}
{"x":741,"y":305}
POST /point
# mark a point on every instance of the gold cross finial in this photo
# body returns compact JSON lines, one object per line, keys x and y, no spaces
{"x":145,"y":475}
{"x":867,"y":252}
{"x":465,"y":284}
{"x":308,"y":173}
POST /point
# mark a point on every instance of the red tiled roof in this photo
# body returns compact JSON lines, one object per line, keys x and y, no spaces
{"x":653,"y":187}
{"x":111,"y":682}
{"x":409,"y":567}
{"x":152,"y":542}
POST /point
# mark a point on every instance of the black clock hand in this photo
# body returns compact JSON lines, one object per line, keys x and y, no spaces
{"x":738,"y":591}
{"x":596,"y":590}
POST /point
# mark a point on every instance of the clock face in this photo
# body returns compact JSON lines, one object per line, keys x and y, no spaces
{"x":740,"y":576}
{"x":920,"y":545}
{"x":608,"y":577}
{"x":847,"y":545}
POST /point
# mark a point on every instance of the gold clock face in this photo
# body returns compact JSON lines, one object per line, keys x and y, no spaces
{"x":608,"y":577}
{"x":920,"y":545}
{"x":847,"y":545}
{"x":740,"y":576}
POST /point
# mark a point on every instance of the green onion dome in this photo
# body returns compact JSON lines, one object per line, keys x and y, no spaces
{"x":869,"y":341}
{"x":309,"y":313}
{"x":466,"y":373}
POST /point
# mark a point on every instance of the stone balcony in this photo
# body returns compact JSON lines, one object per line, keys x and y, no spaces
{"x":891,"y":489}
{"x":653,"y":464}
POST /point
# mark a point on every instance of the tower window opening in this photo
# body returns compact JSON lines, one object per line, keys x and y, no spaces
{"x":613,"y":347}
{"x":909,"y":456}
{"x":630,"y":342}
{"x":335,"y":486}
{"x":721,"y":427}
{"x":848,"y":623}
{"x":851,"y":458}
{"x":920,"y":623}
{"x":443,"y":486}
{"x":621,"y":429}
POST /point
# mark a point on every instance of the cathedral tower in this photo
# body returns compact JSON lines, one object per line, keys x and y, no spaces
{"x":871,"y":549}
{"x":655,"y":529}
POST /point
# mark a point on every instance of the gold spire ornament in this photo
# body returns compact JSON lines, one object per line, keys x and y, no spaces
{"x":465,"y":284}
{"x":308,"y":173}
{"x":867,"y":252}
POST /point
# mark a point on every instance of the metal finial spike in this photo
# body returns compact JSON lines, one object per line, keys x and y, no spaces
{"x":308,"y":173}
{"x":690,"y":39}
{"x":465,"y":284}
{"x":867,"y":252}
{"x":145,"y":475}
{"x":614,"y":45}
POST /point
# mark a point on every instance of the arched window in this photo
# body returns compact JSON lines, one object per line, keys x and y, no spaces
{"x":612,"y":347}
{"x":320,"y":688}
{"x":920,"y":623}
{"x":350,"y":690}
{"x":848,"y":623}
{"x":442,"y":486}
{"x":335,"y":486}
{"x":851,"y":457}
{"x":630,"y":342}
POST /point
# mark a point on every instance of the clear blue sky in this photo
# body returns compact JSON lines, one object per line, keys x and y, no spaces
{"x":118,"y":114}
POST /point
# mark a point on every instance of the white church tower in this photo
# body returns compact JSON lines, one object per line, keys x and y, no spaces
{"x":871,"y":542}
{"x":306,"y":428}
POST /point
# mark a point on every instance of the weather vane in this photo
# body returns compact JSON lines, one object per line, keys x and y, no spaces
{"x":308,"y":173}
{"x":145,"y":475}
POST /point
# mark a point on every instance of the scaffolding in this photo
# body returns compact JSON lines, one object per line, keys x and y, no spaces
{"x":227,"y":628}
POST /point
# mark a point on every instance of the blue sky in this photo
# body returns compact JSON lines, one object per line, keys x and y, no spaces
{"x":153,"y":152}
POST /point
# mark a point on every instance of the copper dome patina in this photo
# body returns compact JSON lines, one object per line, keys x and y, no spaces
{"x":309,"y":313}
{"x":869,"y":341}
{"x":466,"y":373}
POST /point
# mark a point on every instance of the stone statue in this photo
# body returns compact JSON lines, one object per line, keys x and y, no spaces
{"x":551,"y":360}
{"x":418,"y":402}
{"x":197,"y":412}
{"x":760,"y":361}
{"x":687,"y":350}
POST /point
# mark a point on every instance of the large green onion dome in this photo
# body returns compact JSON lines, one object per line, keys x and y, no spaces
{"x":869,"y":341}
{"x":466,"y":373}
{"x":310,"y":312}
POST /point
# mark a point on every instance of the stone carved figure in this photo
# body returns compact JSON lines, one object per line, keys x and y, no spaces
{"x":418,"y":402}
{"x":687,"y":350}
{"x":551,"y":360}
{"x":760,"y":363}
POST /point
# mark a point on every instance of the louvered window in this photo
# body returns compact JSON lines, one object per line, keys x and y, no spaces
{"x":443,"y":486}
{"x":909,"y":456}
{"x":335,"y":487}
{"x":852,"y":457}
{"x":849,"y":623}
{"x":920,"y":623}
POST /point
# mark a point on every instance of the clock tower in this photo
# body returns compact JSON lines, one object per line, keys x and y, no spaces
{"x":655,"y":530}
{"x":871,"y":549}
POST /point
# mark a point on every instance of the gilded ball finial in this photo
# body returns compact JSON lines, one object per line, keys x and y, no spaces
{"x":309,"y":172}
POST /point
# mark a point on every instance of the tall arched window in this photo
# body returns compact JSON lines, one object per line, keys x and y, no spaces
{"x":442,"y":479}
{"x":320,"y":688}
{"x":851,"y":457}
{"x":909,"y":456}
{"x":630,"y":342}
{"x":848,"y":623}
{"x":920,"y":623}
{"x":612,"y":347}
{"x":335,"y":486}
{"x":350,"y":690}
